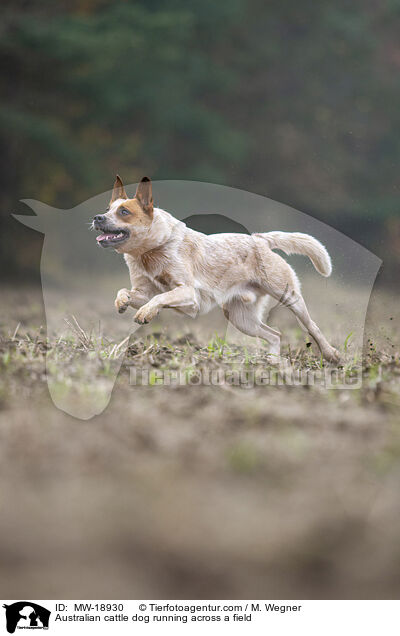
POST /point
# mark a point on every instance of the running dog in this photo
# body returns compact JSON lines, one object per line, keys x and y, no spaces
{"x":174,"y":267}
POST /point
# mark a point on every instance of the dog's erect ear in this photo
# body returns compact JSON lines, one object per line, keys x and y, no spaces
{"x":144,"y":195}
{"x":118,"y":191}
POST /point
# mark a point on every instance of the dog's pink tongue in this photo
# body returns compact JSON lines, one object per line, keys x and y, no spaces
{"x":101,"y":237}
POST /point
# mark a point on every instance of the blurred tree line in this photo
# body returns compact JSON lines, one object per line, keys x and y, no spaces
{"x":296,"y":101}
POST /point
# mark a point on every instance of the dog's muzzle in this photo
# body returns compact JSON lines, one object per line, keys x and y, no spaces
{"x":109,"y":236}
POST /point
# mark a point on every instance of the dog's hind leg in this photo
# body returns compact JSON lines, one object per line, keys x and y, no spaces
{"x":245,"y":317}
{"x":267,"y":303}
{"x":293,"y":299}
{"x":282,"y":284}
{"x":300,"y":310}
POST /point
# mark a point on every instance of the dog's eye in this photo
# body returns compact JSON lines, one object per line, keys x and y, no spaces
{"x":124,"y":212}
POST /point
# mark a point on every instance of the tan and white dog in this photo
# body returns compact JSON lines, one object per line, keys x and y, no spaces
{"x":172,"y":266}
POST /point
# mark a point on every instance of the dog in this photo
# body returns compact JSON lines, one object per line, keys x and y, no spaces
{"x":172,"y":266}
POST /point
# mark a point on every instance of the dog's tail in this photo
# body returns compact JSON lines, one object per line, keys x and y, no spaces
{"x":297,"y":243}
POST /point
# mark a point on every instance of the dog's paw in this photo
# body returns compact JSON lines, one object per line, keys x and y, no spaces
{"x":122,"y":300}
{"x":145,"y":314}
{"x":332,"y":355}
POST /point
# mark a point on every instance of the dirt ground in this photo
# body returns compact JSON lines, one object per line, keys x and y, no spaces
{"x":276,"y":492}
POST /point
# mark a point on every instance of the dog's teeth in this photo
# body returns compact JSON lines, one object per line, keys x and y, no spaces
{"x":107,"y":236}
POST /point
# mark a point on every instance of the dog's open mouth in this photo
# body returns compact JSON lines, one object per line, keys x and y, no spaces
{"x":112,"y":237}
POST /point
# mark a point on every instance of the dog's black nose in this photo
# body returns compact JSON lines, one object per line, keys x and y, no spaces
{"x":99,"y":218}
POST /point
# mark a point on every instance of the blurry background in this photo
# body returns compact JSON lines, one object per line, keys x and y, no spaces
{"x":296,"y":101}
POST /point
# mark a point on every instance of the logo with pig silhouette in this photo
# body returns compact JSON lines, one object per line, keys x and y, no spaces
{"x":80,"y":282}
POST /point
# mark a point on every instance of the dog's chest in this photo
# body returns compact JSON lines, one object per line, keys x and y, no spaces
{"x":154,"y":266}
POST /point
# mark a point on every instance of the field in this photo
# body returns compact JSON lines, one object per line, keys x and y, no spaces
{"x":223,"y":491}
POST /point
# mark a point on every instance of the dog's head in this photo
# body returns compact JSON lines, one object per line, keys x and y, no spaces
{"x":126,"y":220}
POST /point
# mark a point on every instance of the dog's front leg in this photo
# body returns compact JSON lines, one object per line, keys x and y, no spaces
{"x":140,"y":294}
{"x":183,"y":297}
{"x":134,"y":298}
